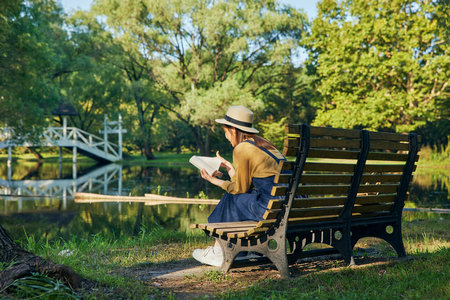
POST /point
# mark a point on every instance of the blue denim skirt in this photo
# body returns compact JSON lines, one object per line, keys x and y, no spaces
{"x":249,"y":206}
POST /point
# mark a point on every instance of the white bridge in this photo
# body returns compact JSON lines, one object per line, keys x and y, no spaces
{"x":106,"y":179}
{"x":72,"y":137}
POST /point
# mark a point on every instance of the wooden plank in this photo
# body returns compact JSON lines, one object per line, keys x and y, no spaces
{"x":332,"y":143}
{"x":388,"y":156}
{"x":332,"y":201}
{"x":148,"y":199}
{"x":378,"y":188}
{"x":388,"y":145}
{"x":382,"y":168}
{"x":287,"y":165}
{"x":316,"y":178}
{"x":334,"y":154}
{"x":292,"y":129}
{"x":388,"y":136}
{"x":315,"y":212}
{"x":374,"y":178}
{"x":254,"y":231}
{"x":308,"y":212}
{"x":348,"y":154}
{"x":329,"y":167}
{"x":324,"y":143}
{"x":313,"y":190}
{"x":371,"y":208}
{"x":224,"y":224}
{"x":311,"y":220}
{"x":334,"y":132}
{"x":370,"y":199}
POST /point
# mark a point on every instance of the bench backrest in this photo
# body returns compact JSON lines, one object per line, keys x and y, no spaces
{"x":344,"y":174}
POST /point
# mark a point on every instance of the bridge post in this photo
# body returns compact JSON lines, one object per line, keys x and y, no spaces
{"x":74,"y":163}
{"x":120,"y":136}
{"x":64,"y":126}
{"x":9,"y":163}
{"x":105,"y":133}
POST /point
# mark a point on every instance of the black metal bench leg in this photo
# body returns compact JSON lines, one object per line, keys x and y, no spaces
{"x":380,"y":231}
{"x":342,"y":242}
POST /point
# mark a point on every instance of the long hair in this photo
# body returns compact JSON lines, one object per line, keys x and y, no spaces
{"x":259,"y":141}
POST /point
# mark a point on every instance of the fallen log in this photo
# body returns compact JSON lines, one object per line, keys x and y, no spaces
{"x":148,"y":199}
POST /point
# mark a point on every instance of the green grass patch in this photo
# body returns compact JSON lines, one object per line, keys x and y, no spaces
{"x":106,"y":262}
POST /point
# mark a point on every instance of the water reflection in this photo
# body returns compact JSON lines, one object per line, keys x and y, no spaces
{"x":35,"y":203}
{"x":37,"y":198}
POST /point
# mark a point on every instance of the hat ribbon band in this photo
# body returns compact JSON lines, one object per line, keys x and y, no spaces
{"x":237,"y":122}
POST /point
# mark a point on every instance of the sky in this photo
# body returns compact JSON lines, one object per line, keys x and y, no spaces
{"x":308,"y":6}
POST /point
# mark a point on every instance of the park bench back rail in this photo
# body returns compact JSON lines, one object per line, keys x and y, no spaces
{"x":337,"y":186}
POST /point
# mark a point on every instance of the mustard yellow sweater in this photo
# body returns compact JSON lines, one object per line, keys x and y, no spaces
{"x":249,"y":161}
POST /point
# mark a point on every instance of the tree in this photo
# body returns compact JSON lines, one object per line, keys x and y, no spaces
{"x":381,"y":64}
{"x":206,"y":54}
{"x":118,"y":77}
{"x":23,"y":263}
{"x":31,"y":42}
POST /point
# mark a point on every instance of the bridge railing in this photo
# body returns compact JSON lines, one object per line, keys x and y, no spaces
{"x":55,"y":135}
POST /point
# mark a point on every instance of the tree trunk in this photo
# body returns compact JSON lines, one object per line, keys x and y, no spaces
{"x":202,"y":143}
{"x":36,"y":154}
{"x":25,"y":263}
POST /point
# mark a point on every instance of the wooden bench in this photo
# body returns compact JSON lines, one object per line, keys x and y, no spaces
{"x":355,"y":181}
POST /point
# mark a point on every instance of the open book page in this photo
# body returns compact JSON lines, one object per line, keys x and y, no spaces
{"x":210,"y":164}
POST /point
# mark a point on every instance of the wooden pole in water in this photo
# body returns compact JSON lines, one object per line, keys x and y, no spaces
{"x":148,"y":199}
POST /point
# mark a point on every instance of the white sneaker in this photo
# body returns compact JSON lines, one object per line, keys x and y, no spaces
{"x":210,"y":256}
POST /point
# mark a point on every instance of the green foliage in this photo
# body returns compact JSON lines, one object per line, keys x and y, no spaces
{"x":208,"y":55}
{"x":274,"y":132}
{"x":32,"y":54}
{"x":381,"y":64}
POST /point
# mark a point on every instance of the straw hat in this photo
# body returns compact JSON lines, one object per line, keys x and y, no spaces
{"x":240,"y":117}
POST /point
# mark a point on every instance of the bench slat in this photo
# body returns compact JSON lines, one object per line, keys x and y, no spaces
{"x":327,"y":131}
{"x":387,"y":145}
{"x":389,"y":136}
{"x":324,"y":143}
{"x":335,"y":189}
{"x":348,"y":154}
{"x":349,"y":133}
{"x":332,"y":201}
{"x":383,"y":168}
{"x":305,"y":212}
{"x":372,"y":208}
{"x":329,"y":167}
{"x":224,"y":224}
{"x":317,"y":178}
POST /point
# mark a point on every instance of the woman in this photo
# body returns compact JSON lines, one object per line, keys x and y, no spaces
{"x":251,"y":179}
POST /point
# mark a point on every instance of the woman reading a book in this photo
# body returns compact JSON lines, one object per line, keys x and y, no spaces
{"x":255,"y":163}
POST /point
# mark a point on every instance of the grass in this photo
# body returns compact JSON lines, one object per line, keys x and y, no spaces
{"x":108,"y":263}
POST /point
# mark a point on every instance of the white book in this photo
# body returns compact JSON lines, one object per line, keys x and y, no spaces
{"x":210,"y":164}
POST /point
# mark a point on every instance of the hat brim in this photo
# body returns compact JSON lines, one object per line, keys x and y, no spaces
{"x":242,"y":128}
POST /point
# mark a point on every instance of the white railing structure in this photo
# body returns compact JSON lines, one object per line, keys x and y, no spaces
{"x":102,"y":180}
{"x":72,"y":137}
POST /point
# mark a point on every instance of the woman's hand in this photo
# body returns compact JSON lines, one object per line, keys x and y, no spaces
{"x":212,"y":179}
{"x":226,"y":164}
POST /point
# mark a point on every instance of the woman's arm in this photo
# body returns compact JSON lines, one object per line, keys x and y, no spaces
{"x":212,"y":179}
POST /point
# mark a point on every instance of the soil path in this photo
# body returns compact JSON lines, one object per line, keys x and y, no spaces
{"x":188,"y":279}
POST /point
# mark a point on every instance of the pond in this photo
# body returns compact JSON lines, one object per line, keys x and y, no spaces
{"x":43,"y":203}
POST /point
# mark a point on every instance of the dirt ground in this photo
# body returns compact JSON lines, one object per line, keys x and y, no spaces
{"x":188,"y":279}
